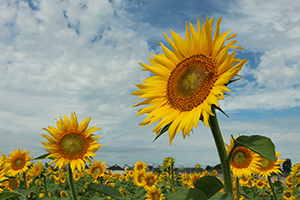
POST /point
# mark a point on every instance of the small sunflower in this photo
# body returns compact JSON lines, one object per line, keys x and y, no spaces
{"x":17,"y":162}
{"x":36,"y":169}
{"x":149,"y":181}
{"x":187,"y":81}
{"x":139,"y":166}
{"x":97,"y":169}
{"x":154,"y":194}
{"x":268,"y":167}
{"x":71,"y":143}
{"x":138,"y":178}
{"x":244,"y":162}
{"x":63,"y":193}
{"x":288,"y":194}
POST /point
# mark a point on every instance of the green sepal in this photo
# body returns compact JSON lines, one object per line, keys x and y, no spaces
{"x":163,"y":130}
{"x":209,"y":185}
{"x":257,"y":143}
{"x":234,"y":80}
{"x":188,"y":194}
{"x":105,"y":189}
{"x":44,"y":156}
{"x":222,"y":111}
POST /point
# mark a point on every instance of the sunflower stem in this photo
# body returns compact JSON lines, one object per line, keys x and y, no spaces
{"x":45,"y":186}
{"x":237,"y":187}
{"x":272,"y":187}
{"x":216,"y":132}
{"x":71,"y":182}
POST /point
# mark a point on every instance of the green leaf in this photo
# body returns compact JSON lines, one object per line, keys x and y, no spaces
{"x":259,"y":144}
{"x":163,"y":130}
{"x":41,"y":157}
{"x":227,"y":196}
{"x":11,"y":194}
{"x":105,"y":189}
{"x":188,"y":194}
{"x":209,"y":185}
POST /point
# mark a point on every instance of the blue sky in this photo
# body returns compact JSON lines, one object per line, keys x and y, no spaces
{"x":63,"y":56}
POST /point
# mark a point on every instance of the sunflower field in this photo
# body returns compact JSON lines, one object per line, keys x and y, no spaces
{"x":95,"y":182}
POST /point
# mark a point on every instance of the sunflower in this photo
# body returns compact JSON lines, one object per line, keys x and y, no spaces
{"x":71,"y":143}
{"x":149,"y":181}
{"x":17,"y":162}
{"x":154,"y":194}
{"x":288,"y":194}
{"x":296,"y":167}
{"x":63,"y":193}
{"x":187,"y":81}
{"x":97,"y":169}
{"x":36,"y":169}
{"x":268,"y":167}
{"x":139,"y":166}
{"x":138,"y":178}
{"x":244,"y":162}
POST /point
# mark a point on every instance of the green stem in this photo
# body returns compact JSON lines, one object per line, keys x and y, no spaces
{"x":272,"y":187}
{"x":172,"y":181}
{"x":71,"y":182}
{"x":214,"y":126}
{"x":25,"y":181}
{"x":45,"y":185}
{"x":237,"y":188}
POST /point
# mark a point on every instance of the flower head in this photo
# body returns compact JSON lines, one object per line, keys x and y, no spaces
{"x":97,"y":169}
{"x":71,"y":143}
{"x":17,"y":162}
{"x":154,"y":194}
{"x":188,"y":80}
{"x":244,"y":162}
{"x":268,"y":167}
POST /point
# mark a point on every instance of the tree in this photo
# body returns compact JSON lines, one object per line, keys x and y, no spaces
{"x":286,"y":166}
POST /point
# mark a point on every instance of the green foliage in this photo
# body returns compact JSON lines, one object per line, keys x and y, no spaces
{"x":258,"y":144}
{"x":105,"y":189}
{"x":209,"y":185}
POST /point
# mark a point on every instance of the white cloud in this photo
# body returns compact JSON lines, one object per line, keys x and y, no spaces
{"x":272,"y":30}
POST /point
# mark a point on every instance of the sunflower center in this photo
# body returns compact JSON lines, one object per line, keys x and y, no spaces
{"x":266,"y":164}
{"x":150,"y":181}
{"x":73,"y":146}
{"x":191,"y":82}
{"x":241,"y":158}
{"x":155,"y":196}
{"x":18,"y":163}
{"x":96,"y":171}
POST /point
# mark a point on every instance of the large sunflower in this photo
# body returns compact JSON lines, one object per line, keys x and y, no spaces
{"x":71,"y":143}
{"x":187,"y":81}
{"x":17,"y":162}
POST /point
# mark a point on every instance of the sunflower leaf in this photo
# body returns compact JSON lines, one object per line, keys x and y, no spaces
{"x":163,"y":130}
{"x":259,"y":144}
{"x":188,"y":194}
{"x":209,"y":185}
{"x":105,"y":189}
{"x":11,"y":194}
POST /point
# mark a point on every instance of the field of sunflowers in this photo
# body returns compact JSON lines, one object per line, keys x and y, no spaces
{"x":37,"y":181}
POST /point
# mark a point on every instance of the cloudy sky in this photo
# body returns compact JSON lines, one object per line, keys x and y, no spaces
{"x":62,"y":56}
